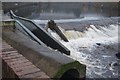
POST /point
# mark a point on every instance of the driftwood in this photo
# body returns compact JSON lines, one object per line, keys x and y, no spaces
{"x":52,"y":25}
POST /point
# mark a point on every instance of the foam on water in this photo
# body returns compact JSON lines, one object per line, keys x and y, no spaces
{"x":97,"y":57}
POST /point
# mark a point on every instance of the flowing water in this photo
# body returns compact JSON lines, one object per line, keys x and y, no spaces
{"x":96,"y":48}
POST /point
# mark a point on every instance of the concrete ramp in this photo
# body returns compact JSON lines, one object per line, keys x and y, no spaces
{"x":41,"y":34}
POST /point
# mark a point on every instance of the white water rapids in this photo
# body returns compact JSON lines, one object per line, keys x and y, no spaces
{"x":96,"y":48}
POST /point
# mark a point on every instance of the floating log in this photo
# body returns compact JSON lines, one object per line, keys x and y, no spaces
{"x":53,"y":26}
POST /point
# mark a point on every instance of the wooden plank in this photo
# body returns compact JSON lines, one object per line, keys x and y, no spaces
{"x":12,"y":57}
{"x":7,"y":55}
{"x":8,"y":49}
{"x":23,"y":68}
{"x":16,"y":59}
{"x":18,"y":62}
{"x":10,"y":52}
{"x":28,"y":71}
{"x":35,"y":75}
{"x":20,"y":65}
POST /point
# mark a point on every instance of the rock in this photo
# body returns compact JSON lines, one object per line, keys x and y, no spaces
{"x":118,"y":55}
{"x":114,"y":64}
{"x":98,"y":44}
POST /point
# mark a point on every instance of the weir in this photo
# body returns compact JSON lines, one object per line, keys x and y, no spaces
{"x":84,"y":45}
{"x":57,"y":66}
{"x":80,"y":25}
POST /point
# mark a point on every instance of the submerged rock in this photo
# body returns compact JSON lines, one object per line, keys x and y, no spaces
{"x":114,"y":64}
{"x":98,"y":44}
{"x":118,"y":55}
